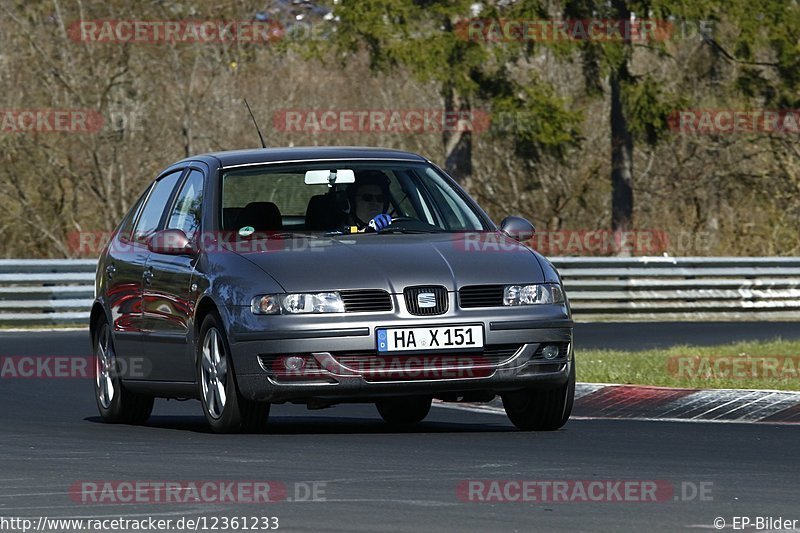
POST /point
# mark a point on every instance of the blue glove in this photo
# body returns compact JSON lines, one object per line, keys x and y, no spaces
{"x":380,"y":222}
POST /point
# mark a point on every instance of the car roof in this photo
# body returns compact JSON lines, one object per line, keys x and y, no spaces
{"x":235,"y":158}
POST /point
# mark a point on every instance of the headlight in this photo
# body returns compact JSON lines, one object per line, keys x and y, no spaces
{"x":275,"y":304}
{"x":548,"y":293}
{"x":265,"y":305}
{"x":323,"y":302}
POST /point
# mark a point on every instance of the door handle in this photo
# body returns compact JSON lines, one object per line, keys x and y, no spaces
{"x":110,"y":269}
{"x":148,"y":276}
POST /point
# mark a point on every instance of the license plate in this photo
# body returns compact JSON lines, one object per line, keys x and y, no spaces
{"x":430,"y":338}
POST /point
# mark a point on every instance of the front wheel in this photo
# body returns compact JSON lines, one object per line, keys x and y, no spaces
{"x":404,"y":411}
{"x":541,"y":410}
{"x":225,"y":409}
{"x":116,"y":404}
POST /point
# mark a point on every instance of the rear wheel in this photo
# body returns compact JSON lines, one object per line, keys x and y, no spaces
{"x":225,"y":409}
{"x":116,"y":404}
{"x":541,"y":410}
{"x":404,"y":411}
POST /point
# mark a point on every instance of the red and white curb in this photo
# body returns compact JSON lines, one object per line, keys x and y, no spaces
{"x":638,"y":402}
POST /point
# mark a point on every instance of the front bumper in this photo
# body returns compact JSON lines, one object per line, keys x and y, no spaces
{"x":343,"y":348}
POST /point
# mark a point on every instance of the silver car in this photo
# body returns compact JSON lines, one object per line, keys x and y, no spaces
{"x":320,"y":276}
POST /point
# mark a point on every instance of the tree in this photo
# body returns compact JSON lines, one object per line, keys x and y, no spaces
{"x":638,"y":108}
{"x":429,"y":38}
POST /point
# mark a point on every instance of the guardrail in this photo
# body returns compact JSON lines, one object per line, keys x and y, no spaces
{"x":685,"y":288}
{"x":47,"y":292}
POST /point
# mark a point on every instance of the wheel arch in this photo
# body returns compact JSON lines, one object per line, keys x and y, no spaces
{"x":205,"y":306}
{"x":98,"y":312}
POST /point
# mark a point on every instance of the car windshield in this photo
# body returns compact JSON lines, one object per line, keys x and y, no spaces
{"x":289,"y":199}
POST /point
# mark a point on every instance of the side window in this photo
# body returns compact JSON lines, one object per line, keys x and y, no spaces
{"x":130,"y":218}
{"x":155,"y":206}
{"x":186,"y":212}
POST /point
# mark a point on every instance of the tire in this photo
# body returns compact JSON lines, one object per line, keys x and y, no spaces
{"x":541,"y":409}
{"x":225,"y":409}
{"x":116,"y":404}
{"x":404,"y":411}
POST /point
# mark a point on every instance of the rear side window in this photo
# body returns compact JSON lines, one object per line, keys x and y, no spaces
{"x":185,"y":214}
{"x":130,"y":218}
{"x":155,"y":206}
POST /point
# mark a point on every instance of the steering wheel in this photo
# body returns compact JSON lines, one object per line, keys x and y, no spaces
{"x":402,"y":219}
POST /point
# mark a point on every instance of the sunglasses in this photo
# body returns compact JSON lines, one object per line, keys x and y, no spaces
{"x":368,"y":197}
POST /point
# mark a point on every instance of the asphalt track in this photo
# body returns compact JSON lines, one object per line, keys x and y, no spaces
{"x":376,"y":479}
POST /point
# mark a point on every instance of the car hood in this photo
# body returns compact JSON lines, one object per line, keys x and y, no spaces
{"x":393,"y":262}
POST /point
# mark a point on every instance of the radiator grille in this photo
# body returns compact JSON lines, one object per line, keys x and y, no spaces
{"x":481,"y":296}
{"x":366,"y":300}
{"x":420,"y":302}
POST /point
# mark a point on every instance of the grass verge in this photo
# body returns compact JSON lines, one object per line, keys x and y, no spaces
{"x":746,"y":365}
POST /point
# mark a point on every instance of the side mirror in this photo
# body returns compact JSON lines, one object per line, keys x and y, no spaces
{"x":517,"y":228}
{"x":170,"y":242}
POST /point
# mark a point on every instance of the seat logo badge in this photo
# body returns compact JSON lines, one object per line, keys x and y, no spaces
{"x":426,"y":300}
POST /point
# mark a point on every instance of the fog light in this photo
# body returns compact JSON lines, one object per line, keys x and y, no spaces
{"x":550,"y":351}
{"x":294,"y":363}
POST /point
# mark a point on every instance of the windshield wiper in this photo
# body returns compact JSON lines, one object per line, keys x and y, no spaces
{"x":279,"y":235}
{"x":411,"y":231}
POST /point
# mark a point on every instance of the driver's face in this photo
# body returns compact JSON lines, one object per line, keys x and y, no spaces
{"x":369,"y":202}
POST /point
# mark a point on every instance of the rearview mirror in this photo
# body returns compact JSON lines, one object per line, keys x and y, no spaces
{"x":170,"y":242}
{"x":517,"y":228}
{"x":330,"y":177}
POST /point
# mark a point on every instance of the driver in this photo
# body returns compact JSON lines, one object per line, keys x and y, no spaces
{"x":369,"y":200}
